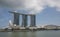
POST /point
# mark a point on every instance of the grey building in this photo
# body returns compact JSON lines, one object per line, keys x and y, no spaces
{"x":24,"y":20}
{"x":16,"y":19}
{"x":32,"y":21}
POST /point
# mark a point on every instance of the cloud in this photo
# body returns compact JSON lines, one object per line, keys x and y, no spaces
{"x":32,"y":6}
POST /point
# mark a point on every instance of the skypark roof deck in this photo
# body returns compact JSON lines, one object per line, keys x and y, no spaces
{"x":20,"y":13}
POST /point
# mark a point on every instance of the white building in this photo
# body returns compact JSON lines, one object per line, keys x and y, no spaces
{"x":58,"y":27}
{"x":50,"y":27}
{"x":32,"y":27}
{"x":22,"y":27}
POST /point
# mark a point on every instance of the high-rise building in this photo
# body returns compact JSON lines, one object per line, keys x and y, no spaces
{"x":32,"y":21}
{"x":16,"y":19}
{"x":24,"y":20}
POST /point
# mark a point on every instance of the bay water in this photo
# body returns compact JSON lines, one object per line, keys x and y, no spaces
{"x":49,"y":33}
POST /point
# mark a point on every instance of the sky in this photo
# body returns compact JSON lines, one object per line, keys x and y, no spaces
{"x":47,"y":12}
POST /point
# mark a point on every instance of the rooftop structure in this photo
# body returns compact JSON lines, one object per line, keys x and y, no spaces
{"x":24,"y":19}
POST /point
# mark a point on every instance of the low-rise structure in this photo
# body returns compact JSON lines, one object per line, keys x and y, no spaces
{"x":58,"y":27}
{"x":32,"y":27}
{"x":50,"y":27}
{"x":22,"y":28}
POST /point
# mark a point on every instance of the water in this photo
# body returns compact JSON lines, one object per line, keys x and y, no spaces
{"x":31,"y":34}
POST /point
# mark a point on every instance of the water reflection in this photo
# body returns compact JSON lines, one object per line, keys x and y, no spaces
{"x":22,"y":34}
{"x":13,"y":34}
{"x":32,"y":34}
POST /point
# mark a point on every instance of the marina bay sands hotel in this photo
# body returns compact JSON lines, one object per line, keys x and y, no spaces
{"x":24,"y":19}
